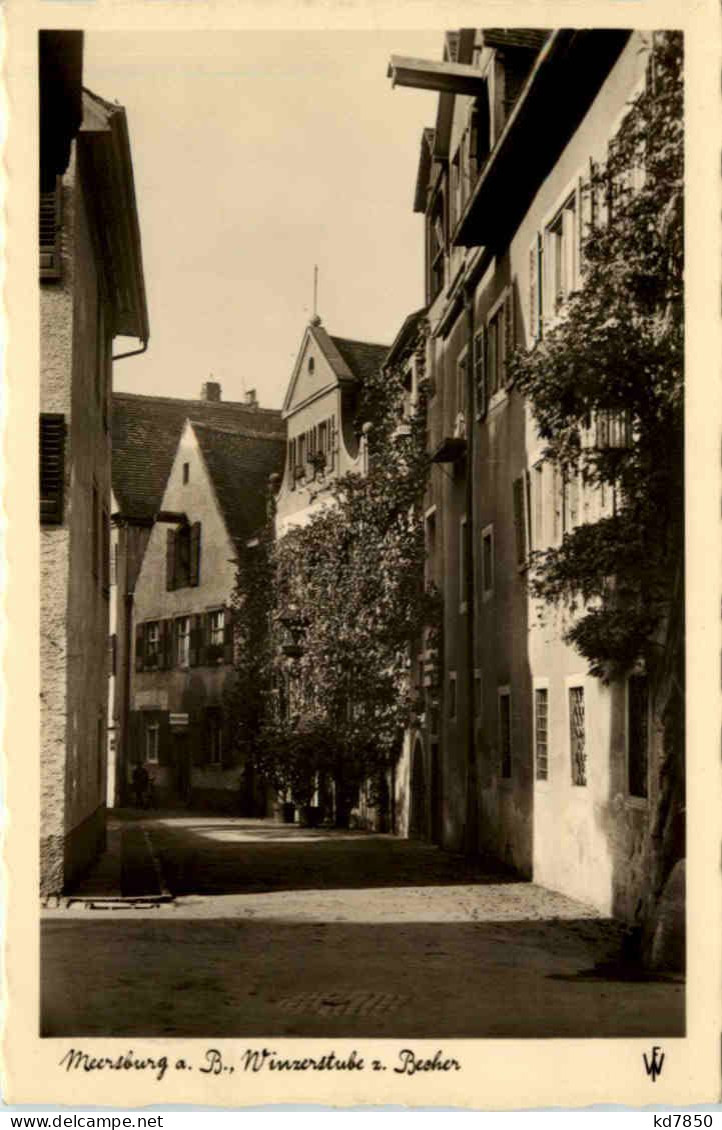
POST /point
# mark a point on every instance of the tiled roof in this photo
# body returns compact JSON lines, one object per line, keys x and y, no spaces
{"x":362,"y":357}
{"x":239,"y":464}
{"x":145,"y":434}
{"x":531,"y":38}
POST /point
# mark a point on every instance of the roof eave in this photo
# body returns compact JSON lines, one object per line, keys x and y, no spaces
{"x":500,"y":195}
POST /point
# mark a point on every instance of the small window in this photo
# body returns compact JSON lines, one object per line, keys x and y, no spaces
{"x":561,"y":255}
{"x":452,"y":695}
{"x":152,"y":644}
{"x":216,"y":635}
{"x":152,"y":742}
{"x":461,"y":370}
{"x":311,"y":364}
{"x":183,"y":641}
{"x":637,"y":736}
{"x":541,"y":732}
{"x":505,"y":732}
{"x":487,"y":561}
{"x":186,"y":472}
{"x":577,"y":736}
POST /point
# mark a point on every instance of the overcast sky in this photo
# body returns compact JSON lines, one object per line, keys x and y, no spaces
{"x":256,"y":155}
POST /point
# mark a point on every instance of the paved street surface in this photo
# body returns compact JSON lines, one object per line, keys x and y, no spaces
{"x":281,"y":931}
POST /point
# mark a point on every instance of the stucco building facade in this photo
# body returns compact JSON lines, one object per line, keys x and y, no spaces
{"x":215,"y":500}
{"x":91,"y":292}
{"x":520,"y":752}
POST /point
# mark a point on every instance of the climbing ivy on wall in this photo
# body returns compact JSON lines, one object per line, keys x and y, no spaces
{"x":606,"y":387}
{"x":352,"y":580}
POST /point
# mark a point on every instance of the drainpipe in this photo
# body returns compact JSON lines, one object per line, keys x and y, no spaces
{"x":472,"y":816}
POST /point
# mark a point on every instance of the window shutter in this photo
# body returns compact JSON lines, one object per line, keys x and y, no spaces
{"x":49,"y":232}
{"x":170,"y":547}
{"x":195,"y":562}
{"x":519,"y":520}
{"x":195,"y":641}
{"x":480,"y":374}
{"x":139,"y":646}
{"x":534,"y":292}
{"x":227,"y":635}
{"x":509,"y":332}
{"x":52,"y":467}
{"x":331,"y":442}
{"x":167,"y":642}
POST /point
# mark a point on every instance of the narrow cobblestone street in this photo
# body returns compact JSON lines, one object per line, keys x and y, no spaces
{"x":281,"y":931}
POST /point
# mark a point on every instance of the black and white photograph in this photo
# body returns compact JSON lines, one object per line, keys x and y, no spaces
{"x":361,"y":606}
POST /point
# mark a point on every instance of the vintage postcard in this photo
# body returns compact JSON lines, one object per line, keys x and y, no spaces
{"x":362,"y":659}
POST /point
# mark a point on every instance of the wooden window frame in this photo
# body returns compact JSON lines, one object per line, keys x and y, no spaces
{"x":540,"y":685}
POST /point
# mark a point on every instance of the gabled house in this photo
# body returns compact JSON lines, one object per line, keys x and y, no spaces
{"x":146,"y":431}
{"x":91,"y":291}
{"x":519,"y":752}
{"x":324,"y":437}
{"x":214,"y":501}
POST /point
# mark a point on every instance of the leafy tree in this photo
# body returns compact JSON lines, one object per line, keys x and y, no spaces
{"x":606,"y":388}
{"x":351,"y":579}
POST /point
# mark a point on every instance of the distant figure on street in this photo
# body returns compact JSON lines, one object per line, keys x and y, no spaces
{"x":141,"y":781}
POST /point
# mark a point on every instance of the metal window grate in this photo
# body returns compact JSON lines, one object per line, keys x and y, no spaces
{"x":541,"y":710}
{"x":577,"y":735}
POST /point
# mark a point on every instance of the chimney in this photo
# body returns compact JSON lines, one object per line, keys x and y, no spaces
{"x":211,"y":390}
{"x":251,"y":399}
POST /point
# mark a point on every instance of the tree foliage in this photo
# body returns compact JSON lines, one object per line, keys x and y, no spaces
{"x":615,"y":358}
{"x":351,"y":579}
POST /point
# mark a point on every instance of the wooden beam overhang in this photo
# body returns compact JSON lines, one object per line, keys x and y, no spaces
{"x":424,"y":74}
{"x":562,"y":85}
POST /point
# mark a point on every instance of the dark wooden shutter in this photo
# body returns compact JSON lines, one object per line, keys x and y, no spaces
{"x":480,"y":373}
{"x":49,"y":232}
{"x":196,"y":641}
{"x":510,"y":334}
{"x":227,"y":635}
{"x":52,"y":467}
{"x":195,"y":554}
{"x":139,"y":646}
{"x":519,"y":520}
{"x":166,"y":644}
{"x":170,"y":547}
